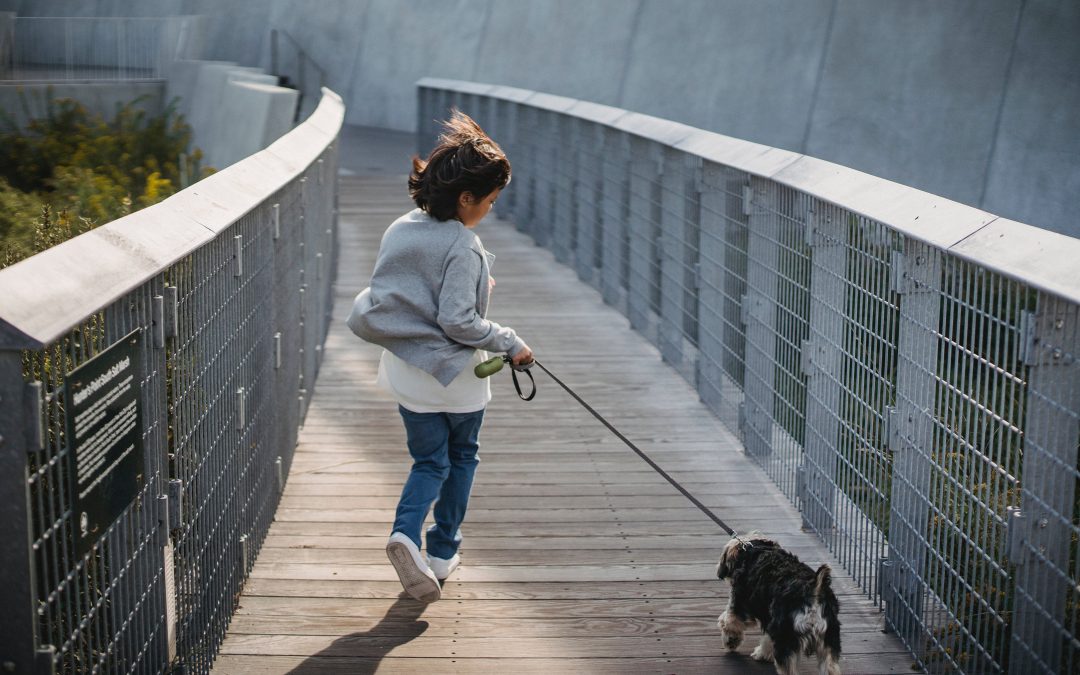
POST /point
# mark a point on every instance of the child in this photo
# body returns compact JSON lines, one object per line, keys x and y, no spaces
{"x":426,"y":307}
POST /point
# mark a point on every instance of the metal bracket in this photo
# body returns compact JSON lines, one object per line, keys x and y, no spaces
{"x":158,"y":321}
{"x":747,"y":199}
{"x":240,"y":421}
{"x":35,"y":401}
{"x":280,"y":468}
{"x":809,"y":227}
{"x":1014,"y":534}
{"x":886,"y":583}
{"x":276,"y":211}
{"x":303,"y":393}
{"x":277,"y":350}
{"x":1036,"y":340}
{"x":45,"y":660}
{"x":800,"y":484}
{"x":809,"y":353}
{"x":752,"y":305}
{"x":892,"y":429}
{"x":176,"y":503}
{"x":1027,"y":339}
{"x":898,"y":280}
{"x":164,"y":526}
{"x":742,"y":418}
{"x":171,"y":311}
{"x":245,"y":552}
{"x":239,"y":239}
{"x":697,"y":276}
{"x":322,"y":165}
{"x":318,"y":266}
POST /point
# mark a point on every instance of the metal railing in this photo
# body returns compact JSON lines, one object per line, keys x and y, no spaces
{"x":904,"y":367}
{"x":217,"y":302}
{"x":97,"y":48}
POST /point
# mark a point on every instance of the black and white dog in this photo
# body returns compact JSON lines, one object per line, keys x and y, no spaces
{"x":793,"y":604}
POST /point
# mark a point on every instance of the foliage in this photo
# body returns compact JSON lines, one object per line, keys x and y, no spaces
{"x":71,"y":171}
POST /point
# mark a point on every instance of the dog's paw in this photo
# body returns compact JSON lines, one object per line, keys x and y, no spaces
{"x":732,"y":640}
{"x":762,"y":653}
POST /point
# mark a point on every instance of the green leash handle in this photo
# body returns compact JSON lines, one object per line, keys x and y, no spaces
{"x":489,"y":367}
{"x":496,"y":363}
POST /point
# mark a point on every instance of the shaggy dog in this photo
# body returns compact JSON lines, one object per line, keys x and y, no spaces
{"x":793,"y":604}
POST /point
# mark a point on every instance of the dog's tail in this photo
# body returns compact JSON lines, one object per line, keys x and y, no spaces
{"x":822,"y":580}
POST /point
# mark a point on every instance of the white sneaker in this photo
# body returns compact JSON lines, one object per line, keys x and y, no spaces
{"x":416,"y":577}
{"x":443,"y":567}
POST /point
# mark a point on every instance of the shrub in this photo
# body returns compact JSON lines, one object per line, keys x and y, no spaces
{"x":71,"y":171}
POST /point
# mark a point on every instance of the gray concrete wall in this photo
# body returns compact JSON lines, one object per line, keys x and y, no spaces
{"x":970,"y":99}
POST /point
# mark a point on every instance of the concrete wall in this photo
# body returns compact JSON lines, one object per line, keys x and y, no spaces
{"x":974,"y":100}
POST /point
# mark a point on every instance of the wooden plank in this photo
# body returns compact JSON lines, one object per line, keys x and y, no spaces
{"x":497,"y":609}
{"x":257,"y":664}
{"x":520,"y":647}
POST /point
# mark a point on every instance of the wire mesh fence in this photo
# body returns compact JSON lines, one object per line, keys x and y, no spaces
{"x":912,"y":386}
{"x":141,"y":518}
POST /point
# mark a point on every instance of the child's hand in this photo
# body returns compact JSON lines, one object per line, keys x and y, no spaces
{"x":524,"y":356}
{"x":491,"y":284}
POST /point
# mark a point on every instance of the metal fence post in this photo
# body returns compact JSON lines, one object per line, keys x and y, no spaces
{"x":17,"y":620}
{"x":587,"y":255}
{"x":646,"y":172}
{"x":614,"y":212}
{"x":715,"y":385}
{"x":564,"y":188}
{"x":679,"y":242}
{"x":827,"y":233}
{"x":917,"y":277}
{"x":1044,"y":578}
{"x":509,"y":139}
{"x":759,"y":313}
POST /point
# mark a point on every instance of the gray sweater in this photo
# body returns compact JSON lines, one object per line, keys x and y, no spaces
{"x":429,"y":297}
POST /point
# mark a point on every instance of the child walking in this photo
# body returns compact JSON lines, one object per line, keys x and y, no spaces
{"x":426,"y":306}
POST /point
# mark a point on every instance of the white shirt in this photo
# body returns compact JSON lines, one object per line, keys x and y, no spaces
{"x":418,"y":391}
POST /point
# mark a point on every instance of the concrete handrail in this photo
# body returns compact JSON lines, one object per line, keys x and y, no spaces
{"x":84,"y":274}
{"x":1040,"y":258}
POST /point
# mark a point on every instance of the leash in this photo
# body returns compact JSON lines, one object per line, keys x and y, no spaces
{"x":494,"y":364}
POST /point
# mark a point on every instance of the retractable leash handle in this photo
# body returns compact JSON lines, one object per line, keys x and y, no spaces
{"x":496,"y":363}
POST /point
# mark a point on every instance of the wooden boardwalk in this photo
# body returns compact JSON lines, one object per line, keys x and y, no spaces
{"x":577,"y":557}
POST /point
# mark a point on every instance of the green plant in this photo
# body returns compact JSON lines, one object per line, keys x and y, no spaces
{"x":71,"y":171}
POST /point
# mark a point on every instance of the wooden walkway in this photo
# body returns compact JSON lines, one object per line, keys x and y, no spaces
{"x":577,"y":557}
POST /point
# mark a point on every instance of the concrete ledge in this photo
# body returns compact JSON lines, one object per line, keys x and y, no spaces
{"x":1040,"y":258}
{"x":917,"y":214}
{"x":85,"y":274}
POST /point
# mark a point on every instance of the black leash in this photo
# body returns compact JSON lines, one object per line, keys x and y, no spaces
{"x":656,"y":467}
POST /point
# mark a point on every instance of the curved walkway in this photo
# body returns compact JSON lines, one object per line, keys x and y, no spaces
{"x":577,"y":557}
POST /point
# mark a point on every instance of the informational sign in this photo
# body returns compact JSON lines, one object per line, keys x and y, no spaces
{"x":104,"y":436}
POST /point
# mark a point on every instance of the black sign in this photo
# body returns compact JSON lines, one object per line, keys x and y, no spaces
{"x":104,"y":436}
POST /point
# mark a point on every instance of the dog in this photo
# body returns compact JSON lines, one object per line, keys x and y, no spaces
{"x":793,"y":604}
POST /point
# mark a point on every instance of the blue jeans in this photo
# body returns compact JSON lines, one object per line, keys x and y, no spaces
{"x":444,"y":448}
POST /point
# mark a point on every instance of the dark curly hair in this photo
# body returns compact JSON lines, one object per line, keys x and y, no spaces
{"x":465,"y":160}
